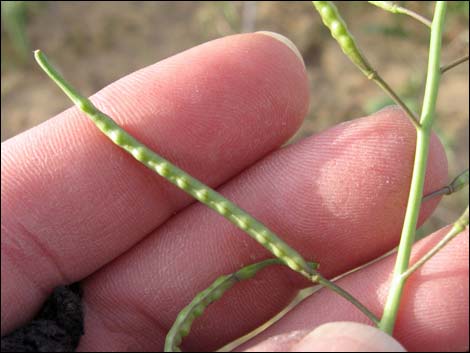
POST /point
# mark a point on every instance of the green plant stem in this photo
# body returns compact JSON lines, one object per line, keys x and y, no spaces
{"x":387,"y":322}
{"x":454,"y":64}
{"x":338,"y":290}
{"x":392,"y":7}
{"x":456,"y":229}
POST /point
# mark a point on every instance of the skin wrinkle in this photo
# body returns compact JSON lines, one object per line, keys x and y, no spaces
{"x":43,"y":251}
{"x":22,"y":255}
{"x":15,"y":262}
{"x":153,"y":323}
{"x":124,"y":338}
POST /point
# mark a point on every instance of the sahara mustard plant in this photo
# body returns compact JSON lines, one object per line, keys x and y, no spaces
{"x":282,"y":252}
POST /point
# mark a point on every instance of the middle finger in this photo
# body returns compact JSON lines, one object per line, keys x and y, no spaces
{"x":338,"y":197}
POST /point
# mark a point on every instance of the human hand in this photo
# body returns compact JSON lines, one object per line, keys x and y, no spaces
{"x":75,"y":207}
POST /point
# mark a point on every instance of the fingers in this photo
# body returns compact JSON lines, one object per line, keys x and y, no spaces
{"x":72,"y":201}
{"x":434,"y":312}
{"x":332,"y":337}
{"x":337,"y":197}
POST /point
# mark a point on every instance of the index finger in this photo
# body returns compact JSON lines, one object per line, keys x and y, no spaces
{"x":72,"y":201}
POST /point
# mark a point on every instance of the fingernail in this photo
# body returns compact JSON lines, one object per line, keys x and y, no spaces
{"x":285,"y":41}
{"x":347,"y":337}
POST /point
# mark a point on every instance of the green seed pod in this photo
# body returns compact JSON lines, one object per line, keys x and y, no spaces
{"x":333,"y":20}
{"x":178,"y":177}
{"x":459,"y":182}
{"x":185,"y":318}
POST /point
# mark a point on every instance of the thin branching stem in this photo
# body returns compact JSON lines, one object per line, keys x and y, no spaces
{"x":392,"y":7}
{"x":456,"y":229}
{"x":387,"y":322}
{"x":385,"y":87}
{"x":454,"y":64}
{"x":338,"y":290}
{"x":414,"y":15}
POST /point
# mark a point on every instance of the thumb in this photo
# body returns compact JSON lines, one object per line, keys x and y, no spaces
{"x":347,"y":337}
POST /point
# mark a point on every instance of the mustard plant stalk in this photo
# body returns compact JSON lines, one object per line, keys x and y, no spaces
{"x":389,"y":316}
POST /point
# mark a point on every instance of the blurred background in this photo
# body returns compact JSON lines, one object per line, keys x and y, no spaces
{"x":96,"y":43}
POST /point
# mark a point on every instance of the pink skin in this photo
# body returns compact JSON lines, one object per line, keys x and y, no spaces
{"x":218,"y":111}
{"x":433,"y":316}
{"x":331,"y":337}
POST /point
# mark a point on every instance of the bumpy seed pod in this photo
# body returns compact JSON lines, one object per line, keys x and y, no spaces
{"x":201,"y":301}
{"x":333,"y":20}
{"x":178,"y":177}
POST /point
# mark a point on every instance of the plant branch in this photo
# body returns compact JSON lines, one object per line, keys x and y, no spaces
{"x":459,"y":182}
{"x":385,"y":87}
{"x":387,"y":322}
{"x":338,"y":290}
{"x":397,"y":9}
{"x":454,"y":64}
{"x":456,"y":229}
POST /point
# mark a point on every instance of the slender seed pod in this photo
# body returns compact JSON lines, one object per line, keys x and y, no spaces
{"x":285,"y":254}
{"x":201,"y":301}
{"x":459,"y":182}
{"x":333,"y":20}
{"x":335,"y":23}
{"x":178,"y":177}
